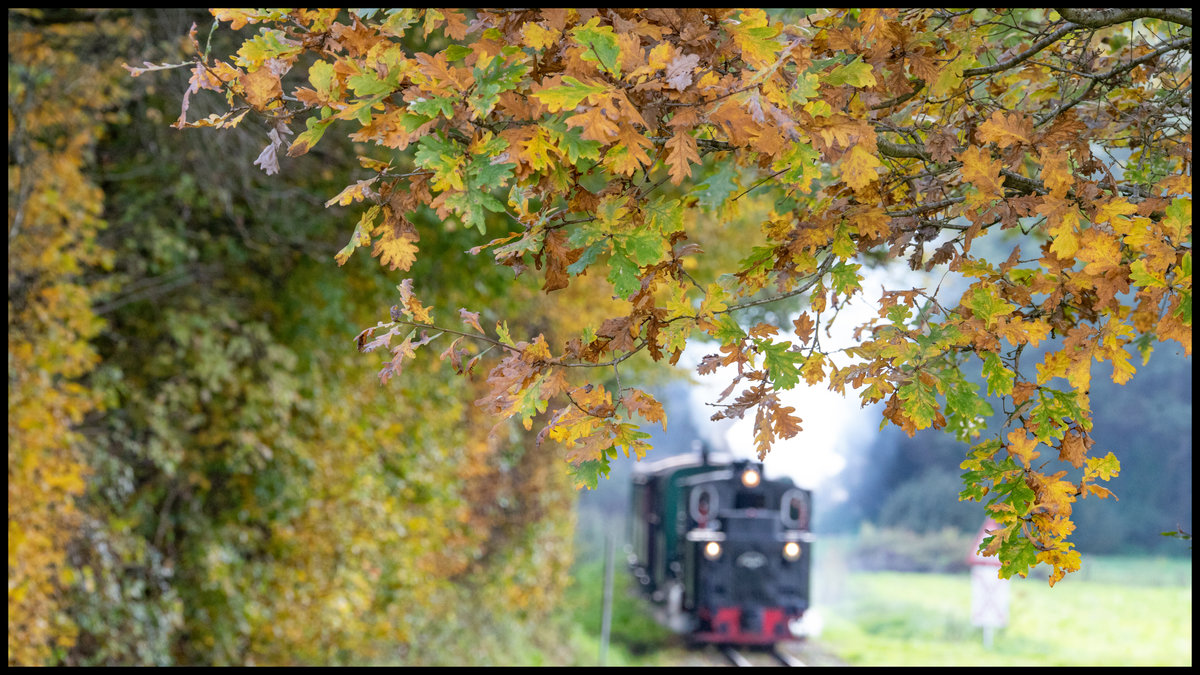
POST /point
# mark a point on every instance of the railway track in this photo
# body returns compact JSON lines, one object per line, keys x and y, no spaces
{"x":771,"y":657}
{"x":792,"y":653}
{"x":786,"y":659}
{"x":735,"y":657}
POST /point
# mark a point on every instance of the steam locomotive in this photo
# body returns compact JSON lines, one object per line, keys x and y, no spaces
{"x":722,"y":553}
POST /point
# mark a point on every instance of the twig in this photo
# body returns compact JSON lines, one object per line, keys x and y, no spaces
{"x":821,"y":270}
{"x":763,"y":181}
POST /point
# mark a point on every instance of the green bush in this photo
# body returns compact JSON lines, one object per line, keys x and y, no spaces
{"x":903,"y":550}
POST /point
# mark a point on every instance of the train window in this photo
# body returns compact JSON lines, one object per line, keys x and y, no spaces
{"x":749,"y":500}
{"x":702,"y":505}
{"x":793,"y":509}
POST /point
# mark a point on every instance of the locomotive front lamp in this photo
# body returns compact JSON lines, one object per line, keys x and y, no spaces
{"x":712,"y":550}
{"x":791,"y":551}
{"x":750,"y":478}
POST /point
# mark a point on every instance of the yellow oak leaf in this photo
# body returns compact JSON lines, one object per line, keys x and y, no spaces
{"x":1110,"y":211}
{"x":1123,"y":369}
{"x":1054,"y":364}
{"x":1103,"y":468}
{"x":353,"y":193}
{"x":813,"y":369}
{"x":535,"y":150}
{"x":1056,"y":172}
{"x":538,"y":351}
{"x":537,"y":36}
{"x":660,"y":56}
{"x":1064,"y":235}
{"x":982,"y":171}
{"x":397,"y":252}
{"x":858,"y":168}
{"x":950,"y":77}
{"x":1063,"y":561}
{"x":1100,"y":250}
{"x":872,"y":222}
{"x":1079,"y":372}
{"x":1056,"y":496}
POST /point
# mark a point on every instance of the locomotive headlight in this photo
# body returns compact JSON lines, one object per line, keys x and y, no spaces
{"x":791,"y":551}
{"x":750,"y":478}
{"x":712,"y":550}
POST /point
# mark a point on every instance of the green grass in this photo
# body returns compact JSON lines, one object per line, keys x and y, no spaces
{"x":635,"y":638}
{"x":1115,"y":611}
{"x":1124,"y":614}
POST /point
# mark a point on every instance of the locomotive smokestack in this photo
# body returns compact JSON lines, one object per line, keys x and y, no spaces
{"x":700,"y":447}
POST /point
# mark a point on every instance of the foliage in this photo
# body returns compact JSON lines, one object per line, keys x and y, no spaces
{"x":297,"y":533}
{"x":57,"y":103}
{"x":597,"y":137}
{"x":906,"y":482}
{"x":191,"y":481}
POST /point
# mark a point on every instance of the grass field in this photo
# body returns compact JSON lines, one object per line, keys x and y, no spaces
{"x":1120,"y":611}
{"x":1116,"y":611}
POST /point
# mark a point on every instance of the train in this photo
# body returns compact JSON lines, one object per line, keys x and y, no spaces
{"x":722,"y":553}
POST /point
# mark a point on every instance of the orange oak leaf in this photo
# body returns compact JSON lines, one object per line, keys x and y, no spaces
{"x":262,"y":87}
{"x":1073,"y":449}
{"x":595,"y":125}
{"x":1022,"y":447}
{"x":682,"y":153}
{"x":640,"y":403}
{"x":1005,"y":129}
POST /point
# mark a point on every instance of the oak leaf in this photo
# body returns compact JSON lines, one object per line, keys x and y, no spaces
{"x":1073,"y":449}
{"x":594,"y":124}
{"x":640,"y":403}
{"x":682,"y":153}
{"x":1022,"y":446}
{"x":859,"y":168}
{"x":680,"y":69}
{"x":1005,"y":129}
{"x":982,"y":171}
{"x":395,"y":249}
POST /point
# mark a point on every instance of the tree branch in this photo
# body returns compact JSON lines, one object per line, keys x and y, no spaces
{"x":1016,"y":60}
{"x":1098,"y":18}
{"x":821,"y":270}
{"x":152,"y":287}
{"x":917,"y":86}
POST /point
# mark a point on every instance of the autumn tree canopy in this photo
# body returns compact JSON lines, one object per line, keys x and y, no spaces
{"x":681,"y":166}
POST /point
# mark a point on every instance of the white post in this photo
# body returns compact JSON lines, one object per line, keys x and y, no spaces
{"x":989,"y":601}
{"x":989,"y":593}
